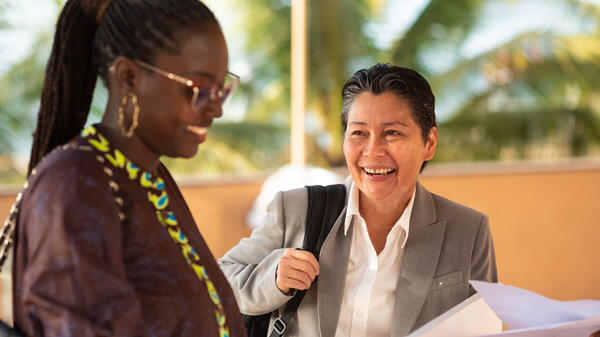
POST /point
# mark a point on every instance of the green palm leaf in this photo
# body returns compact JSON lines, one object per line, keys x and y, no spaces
{"x":443,"y":24}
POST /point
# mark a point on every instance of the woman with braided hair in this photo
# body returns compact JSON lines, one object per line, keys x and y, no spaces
{"x":105,"y":245}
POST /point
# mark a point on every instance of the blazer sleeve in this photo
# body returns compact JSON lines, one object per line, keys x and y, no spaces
{"x":251,"y":266}
{"x":483,"y":258}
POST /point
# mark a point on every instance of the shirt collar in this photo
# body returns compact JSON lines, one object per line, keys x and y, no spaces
{"x":353,"y":209}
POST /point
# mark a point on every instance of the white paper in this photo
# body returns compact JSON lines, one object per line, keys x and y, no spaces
{"x":533,"y":315}
{"x":472,"y":317}
{"x":582,"y":328}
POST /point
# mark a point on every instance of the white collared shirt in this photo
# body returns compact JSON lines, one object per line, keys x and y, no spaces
{"x":369,"y":291}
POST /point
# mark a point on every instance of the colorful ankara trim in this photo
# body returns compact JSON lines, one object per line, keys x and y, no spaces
{"x":159,"y":199}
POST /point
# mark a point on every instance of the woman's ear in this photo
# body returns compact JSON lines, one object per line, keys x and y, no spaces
{"x":126,"y":74}
{"x":431,"y":144}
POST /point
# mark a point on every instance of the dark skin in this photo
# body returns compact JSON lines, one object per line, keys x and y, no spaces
{"x":166,"y":117}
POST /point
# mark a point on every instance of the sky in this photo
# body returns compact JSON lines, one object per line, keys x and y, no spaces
{"x":29,"y":17}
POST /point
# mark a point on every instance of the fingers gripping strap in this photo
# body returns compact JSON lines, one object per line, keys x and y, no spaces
{"x":325,"y":203}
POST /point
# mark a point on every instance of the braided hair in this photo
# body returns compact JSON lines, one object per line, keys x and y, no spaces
{"x":89,"y":35}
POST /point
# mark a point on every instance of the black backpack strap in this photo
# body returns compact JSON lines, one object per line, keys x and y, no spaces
{"x":321,"y":221}
{"x":325,"y":203}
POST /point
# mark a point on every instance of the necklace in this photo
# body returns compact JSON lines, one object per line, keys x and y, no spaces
{"x":157,"y":196}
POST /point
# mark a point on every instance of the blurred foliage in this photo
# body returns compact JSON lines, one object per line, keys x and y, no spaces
{"x":539,"y":92}
{"x":4,"y":7}
{"x":441,"y":25}
{"x":336,"y":42}
{"x":236,"y":147}
{"x":20,"y":88}
{"x":532,"y":96}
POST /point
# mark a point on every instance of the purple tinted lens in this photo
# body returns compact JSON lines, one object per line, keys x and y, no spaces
{"x":201,"y":97}
{"x":225,"y":93}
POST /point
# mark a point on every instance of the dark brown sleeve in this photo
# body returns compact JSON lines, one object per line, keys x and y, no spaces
{"x":71,"y":280}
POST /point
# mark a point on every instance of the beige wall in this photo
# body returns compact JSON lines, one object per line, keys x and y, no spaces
{"x":545,"y":227}
{"x":544,"y":219}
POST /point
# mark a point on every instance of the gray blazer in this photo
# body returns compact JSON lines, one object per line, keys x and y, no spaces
{"x":448,"y":245}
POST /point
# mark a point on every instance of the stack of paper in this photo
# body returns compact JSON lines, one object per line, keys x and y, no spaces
{"x":472,"y":317}
{"x":528,"y":315}
{"x":533,"y":315}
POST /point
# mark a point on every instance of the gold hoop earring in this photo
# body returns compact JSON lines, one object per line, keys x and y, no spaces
{"x":136,"y":114}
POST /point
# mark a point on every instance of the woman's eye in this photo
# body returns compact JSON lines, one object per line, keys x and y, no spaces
{"x":392,"y":133}
{"x":357,"y":133}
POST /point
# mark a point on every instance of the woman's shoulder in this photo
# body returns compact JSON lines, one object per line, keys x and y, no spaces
{"x":300,"y":194}
{"x":74,"y":159}
{"x":292,"y":203}
{"x":68,"y":192}
{"x":67,"y":171}
{"x":447,"y":209}
{"x":294,"y":195}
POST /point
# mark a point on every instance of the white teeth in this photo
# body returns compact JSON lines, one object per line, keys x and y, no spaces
{"x":378,"y":171}
{"x":197,"y":130}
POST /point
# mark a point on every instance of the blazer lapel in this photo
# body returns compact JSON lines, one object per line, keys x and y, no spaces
{"x":419,"y":262}
{"x":333,"y":263}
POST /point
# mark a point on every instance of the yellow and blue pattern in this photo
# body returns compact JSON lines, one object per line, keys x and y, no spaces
{"x":157,"y":196}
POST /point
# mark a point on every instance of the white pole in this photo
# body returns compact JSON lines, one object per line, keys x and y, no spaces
{"x":298,"y":81}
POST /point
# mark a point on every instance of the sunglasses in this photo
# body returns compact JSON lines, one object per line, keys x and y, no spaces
{"x":202,"y":93}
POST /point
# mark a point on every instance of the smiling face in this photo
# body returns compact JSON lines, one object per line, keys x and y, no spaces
{"x":384,"y":148}
{"x":168,"y":124}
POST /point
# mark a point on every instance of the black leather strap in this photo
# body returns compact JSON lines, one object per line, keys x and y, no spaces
{"x":325,"y":203}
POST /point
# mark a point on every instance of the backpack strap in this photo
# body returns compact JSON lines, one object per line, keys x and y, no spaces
{"x":325,"y":203}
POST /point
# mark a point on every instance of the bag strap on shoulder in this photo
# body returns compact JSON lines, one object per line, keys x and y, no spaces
{"x":325,"y":203}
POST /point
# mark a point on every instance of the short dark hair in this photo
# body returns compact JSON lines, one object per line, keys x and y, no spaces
{"x":405,"y":83}
{"x":90,"y":35}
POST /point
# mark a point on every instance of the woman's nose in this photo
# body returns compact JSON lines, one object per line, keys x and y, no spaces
{"x":213,"y":108}
{"x":217,"y":111}
{"x":375,"y":147}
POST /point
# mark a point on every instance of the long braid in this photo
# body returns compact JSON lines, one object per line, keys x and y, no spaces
{"x":68,"y":85}
{"x":82,"y":49}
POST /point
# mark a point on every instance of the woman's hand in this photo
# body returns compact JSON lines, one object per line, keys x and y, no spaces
{"x":296,"y":270}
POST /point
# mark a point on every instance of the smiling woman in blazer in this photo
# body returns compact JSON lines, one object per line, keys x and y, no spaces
{"x":398,"y":255}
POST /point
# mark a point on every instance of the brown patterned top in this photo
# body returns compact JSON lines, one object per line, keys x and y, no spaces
{"x":83,"y":269}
